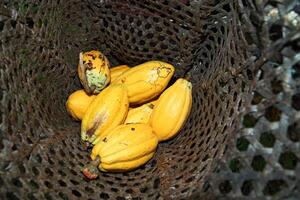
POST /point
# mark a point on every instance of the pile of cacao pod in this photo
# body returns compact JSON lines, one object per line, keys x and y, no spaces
{"x":125,"y":111}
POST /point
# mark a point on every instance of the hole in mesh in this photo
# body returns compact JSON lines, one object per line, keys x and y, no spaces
{"x":274,"y":186}
{"x":17,"y":182}
{"x":22,"y":169}
{"x":48,"y":196}
{"x":138,"y":23}
{"x":184,"y":190}
{"x":267,"y":139}
{"x":114,"y":189}
{"x":144,"y":189}
{"x":74,"y":182}
{"x":296,"y":70}
{"x":1,"y":25}
{"x":147,"y":26}
{"x":130,"y":19}
{"x":257,"y":98}
{"x":14,"y":147}
{"x":1,"y":140}
{"x":275,"y":32}
{"x":276,"y":59}
{"x":49,"y":172}
{"x":35,"y":171}
{"x":249,"y":121}
{"x":105,"y":23}
{"x":190,"y":179}
{"x":104,"y":195}
{"x":158,"y":29}
{"x":62,"y":183}
{"x":52,"y":151}
{"x":4,"y":166}
{"x":296,"y":101}
{"x":62,"y":153}
{"x":163,"y":46}
{"x":29,"y":22}
{"x":258,"y":163}
{"x":13,"y":23}
{"x":76,"y":193}
{"x":62,"y":173}
{"x":38,"y":158}
{"x":89,"y":190}
{"x":288,"y":160}
{"x":1,"y":182}
{"x":129,"y":191}
{"x":276,"y":86}
{"x":272,"y":114}
{"x":31,"y":196}
{"x":249,"y":74}
{"x":227,"y":8}
{"x":50,"y":161}
{"x":125,"y":184}
{"x":235,"y":165}
{"x":11,"y":196}
{"x":225,"y":187}
{"x":247,"y":187}
{"x":206,"y":186}
{"x":34,"y":185}
{"x":156,"y":183}
{"x":149,"y":36}
{"x":48,"y":184}
{"x":73,"y":172}
{"x":61,"y":163}
{"x":294,"y":132}
{"x":29,"y":141}
{"x":63,"y":195}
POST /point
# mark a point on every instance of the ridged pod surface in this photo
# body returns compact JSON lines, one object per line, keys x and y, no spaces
{"x":108,"y":110}
{"x":140,"y":114}
{"x":172,"y":109}
{"x":126,"y":147}
{"x":116,"y":71}
{"x":146,"y":81}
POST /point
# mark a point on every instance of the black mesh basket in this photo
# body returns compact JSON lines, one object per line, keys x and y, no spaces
{"x":242,"y":56}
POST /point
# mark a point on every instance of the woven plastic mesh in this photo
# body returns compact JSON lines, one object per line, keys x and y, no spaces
{"x":241,"y":139}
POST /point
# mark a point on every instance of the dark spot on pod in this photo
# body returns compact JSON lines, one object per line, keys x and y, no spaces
{"x":91,"y":55}
{"x":104,"y":140}
{"x":151,"y":106}
{"x":89,"y":65}
{"x":132,"y":129}
{"x":98,"y":121}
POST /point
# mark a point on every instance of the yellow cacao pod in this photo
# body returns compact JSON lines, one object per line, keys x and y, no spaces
{"x":140,"y":114}
{"x":108,"y":110}
{"x":77,"y":103}
{"x":117,"y":71}
{"x":172,"y":109}
{"x":125,"y":147}
{"x":93,"y":71}
{"x":146,"y":81}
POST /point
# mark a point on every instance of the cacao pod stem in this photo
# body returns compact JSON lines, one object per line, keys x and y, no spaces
{"x":91,"y":171}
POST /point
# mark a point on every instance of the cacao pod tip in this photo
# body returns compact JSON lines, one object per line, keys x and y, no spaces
{"x":91,"y":171}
